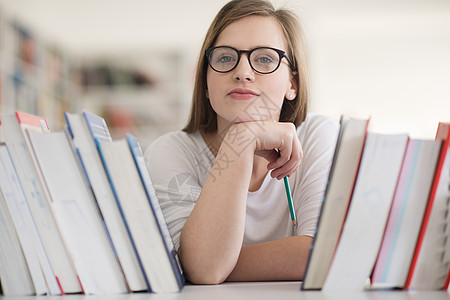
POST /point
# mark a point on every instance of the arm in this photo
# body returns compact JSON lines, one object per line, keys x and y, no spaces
{"x":286,"y":259}
{"x":283,"y":259}
{"x":211,"y":238}
{"x":212,"y":235}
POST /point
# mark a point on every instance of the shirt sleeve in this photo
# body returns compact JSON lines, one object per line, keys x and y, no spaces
{"x":172,"y":169}
{"x":318,"y":139}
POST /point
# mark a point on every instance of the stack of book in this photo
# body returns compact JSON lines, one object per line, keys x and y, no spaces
{"x":384,"y":221}
{"x":78,"y":212}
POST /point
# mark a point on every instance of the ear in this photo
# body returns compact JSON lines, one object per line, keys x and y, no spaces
{"x":291,"y":92}
{"x":207,"y":94}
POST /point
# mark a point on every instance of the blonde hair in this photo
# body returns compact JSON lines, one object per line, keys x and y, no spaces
{"x":202,"y":116}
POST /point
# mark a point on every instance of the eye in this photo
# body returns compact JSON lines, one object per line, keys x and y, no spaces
{"x":264,"y":60}
{"x":264,"y":57}
{"x":223,"y":56}
{"x":225,"y":59}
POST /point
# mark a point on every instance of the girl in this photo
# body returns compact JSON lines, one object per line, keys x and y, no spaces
{"x":218,"y":180}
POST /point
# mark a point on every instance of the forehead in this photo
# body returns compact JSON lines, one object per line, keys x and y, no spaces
{"x":251,"y":32}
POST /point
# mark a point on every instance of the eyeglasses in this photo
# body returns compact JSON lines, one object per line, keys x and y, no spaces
{"x":263,"y":60}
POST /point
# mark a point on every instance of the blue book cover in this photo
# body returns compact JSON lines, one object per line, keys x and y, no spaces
{"x":97,"y":126}
{"x":138,"y":156}
{"x":69,"y":129}
{"x":85,"y":129}
{"x":97,"y":142}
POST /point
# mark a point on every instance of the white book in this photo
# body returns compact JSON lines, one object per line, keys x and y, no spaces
{"x":14,"y":133}
{"x":430,"y":267}
{"x":139,"y":217}
{"x":407,"y":211}
{"x":337,"y":196}
{"x":369,"y":208}
{"x":34,"y":252}
{"x":175,"y":270}
{"x":85,"y":145}
{"x":15,"y":277}
{"x":77,"y":215}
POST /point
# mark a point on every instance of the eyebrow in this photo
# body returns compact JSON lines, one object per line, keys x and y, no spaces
{"x":257,"y":46}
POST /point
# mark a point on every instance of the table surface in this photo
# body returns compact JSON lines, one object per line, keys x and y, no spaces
{"x":254,"y":290}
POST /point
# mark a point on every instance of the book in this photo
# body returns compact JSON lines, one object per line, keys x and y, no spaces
{"x":14,"y":133}
{"x":84,"y":142}
{"x":139,"y":217}
{"x":77,"y":215}
{"x":368,"y":212}
{"x":337,"y":196}
{"x":431,"y":260}
{"x":407,"y":210}
{"x":15,"y":277}
{"x":38,"y":264}
{"x":139,"y":159}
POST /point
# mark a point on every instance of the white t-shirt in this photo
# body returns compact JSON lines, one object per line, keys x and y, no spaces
{"x":179,"y":164}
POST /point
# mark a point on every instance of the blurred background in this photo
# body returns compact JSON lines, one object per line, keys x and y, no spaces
{"x":133,"y":61}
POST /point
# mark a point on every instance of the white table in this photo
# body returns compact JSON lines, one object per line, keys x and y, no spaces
{"x":256,"y":290}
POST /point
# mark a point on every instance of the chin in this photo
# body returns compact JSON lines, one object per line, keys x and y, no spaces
{"x":247,"y":119}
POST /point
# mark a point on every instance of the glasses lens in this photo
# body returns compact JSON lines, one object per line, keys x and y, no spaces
{"x":223,"y":59}
{"x":265,"y":60}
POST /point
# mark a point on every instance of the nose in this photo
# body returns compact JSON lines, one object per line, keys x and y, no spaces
{"x":243,"y":71}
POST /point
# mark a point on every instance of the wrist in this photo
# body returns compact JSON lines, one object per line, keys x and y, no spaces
{"x":241,"y":138}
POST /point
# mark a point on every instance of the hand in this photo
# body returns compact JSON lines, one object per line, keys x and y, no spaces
{"x":278,"y":143}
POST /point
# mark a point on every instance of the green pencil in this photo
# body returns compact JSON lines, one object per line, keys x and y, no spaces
{"x":289,"y":198}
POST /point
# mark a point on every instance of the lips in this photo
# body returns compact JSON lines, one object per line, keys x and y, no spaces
{"x":242,"y":94}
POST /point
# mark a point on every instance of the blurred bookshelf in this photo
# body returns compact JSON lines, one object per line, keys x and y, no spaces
{"x":145,"y":93}
{"x":35,"y":75}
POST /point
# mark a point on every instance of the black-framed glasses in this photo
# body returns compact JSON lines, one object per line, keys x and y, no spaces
{"x":263,"y":60}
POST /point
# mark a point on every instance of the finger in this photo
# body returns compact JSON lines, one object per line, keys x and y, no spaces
{"x":286,"y":170}
{"x":284,"y":155}
{"x":293,"y":153}
{"x":292,"y":164}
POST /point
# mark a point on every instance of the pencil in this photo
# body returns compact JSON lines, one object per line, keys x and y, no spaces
{"x":289,"y":198}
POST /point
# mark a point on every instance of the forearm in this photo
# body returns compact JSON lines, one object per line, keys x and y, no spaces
{"x":283,"y":259}
{"x":212,"y":236}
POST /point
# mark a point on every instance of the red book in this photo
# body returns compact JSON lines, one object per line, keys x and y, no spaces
{"x":32,"y":120}
{"x":431,"y":261}
{"x":343,"y":173}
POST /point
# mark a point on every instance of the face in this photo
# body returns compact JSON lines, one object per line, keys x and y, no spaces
{"x":242,"y":94}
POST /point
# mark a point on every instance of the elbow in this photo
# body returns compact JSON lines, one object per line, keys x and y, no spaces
{"x":208,"y":272}
{"x":203,"y":265}
{"x":207,"y":278}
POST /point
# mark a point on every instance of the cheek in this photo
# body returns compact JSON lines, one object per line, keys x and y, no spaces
{"x":212,"y":84}
{"x":275,"y":92}
{"x":213,"y":92}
